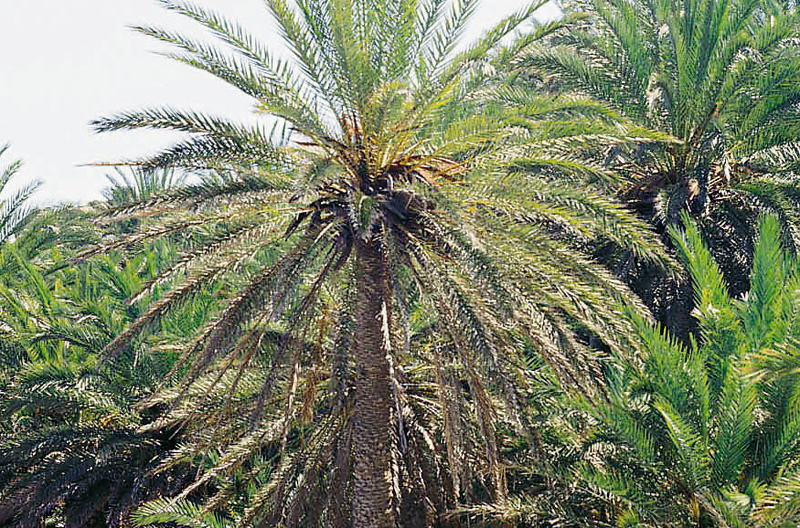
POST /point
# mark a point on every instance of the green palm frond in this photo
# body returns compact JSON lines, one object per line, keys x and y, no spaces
{"x":139,"y":185}
{"x":13,"y":211}
{"x":705,"y":432}
{"x":182,"y":513}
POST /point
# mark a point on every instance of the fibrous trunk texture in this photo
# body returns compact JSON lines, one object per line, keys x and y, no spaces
{"x":372,"y":479}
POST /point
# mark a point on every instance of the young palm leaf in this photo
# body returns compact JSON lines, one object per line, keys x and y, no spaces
{"x":13,"y":211}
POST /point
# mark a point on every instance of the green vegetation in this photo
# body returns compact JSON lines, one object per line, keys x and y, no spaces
{"x":548,"y":278}
{"x":721,"y":77}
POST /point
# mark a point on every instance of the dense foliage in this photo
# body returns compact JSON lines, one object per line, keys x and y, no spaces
{"x":720,"y":76}
{"x":549,"y":278}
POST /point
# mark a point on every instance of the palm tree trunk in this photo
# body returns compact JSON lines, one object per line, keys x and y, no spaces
{"x":372,"y":479}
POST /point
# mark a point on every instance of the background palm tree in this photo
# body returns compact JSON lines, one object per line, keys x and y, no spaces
{"x":704,"y":435}
{"x":376,"y":199}
{"x":722,"y":78}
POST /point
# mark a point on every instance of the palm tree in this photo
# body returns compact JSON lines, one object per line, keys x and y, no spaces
{"x":371,"y":197}
{"x":708,"y":435}
{"x":721,"y":77}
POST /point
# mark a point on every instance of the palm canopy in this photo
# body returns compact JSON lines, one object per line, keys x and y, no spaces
{"x":69,"y":444}
{"x":706,"y":435}
{"x":721,"y":77}
{"x":386,"y":190}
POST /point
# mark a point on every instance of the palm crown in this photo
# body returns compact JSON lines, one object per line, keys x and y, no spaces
{"x":719,"y":76}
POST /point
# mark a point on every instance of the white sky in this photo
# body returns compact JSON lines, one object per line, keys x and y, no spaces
{"x":65,"y":63}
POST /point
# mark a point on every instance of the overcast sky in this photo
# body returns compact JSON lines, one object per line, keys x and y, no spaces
{"x":65,"y":63}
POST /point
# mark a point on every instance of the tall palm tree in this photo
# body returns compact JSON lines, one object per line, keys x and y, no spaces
{"x":721,"y":77}
{"x":370,"y":197}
